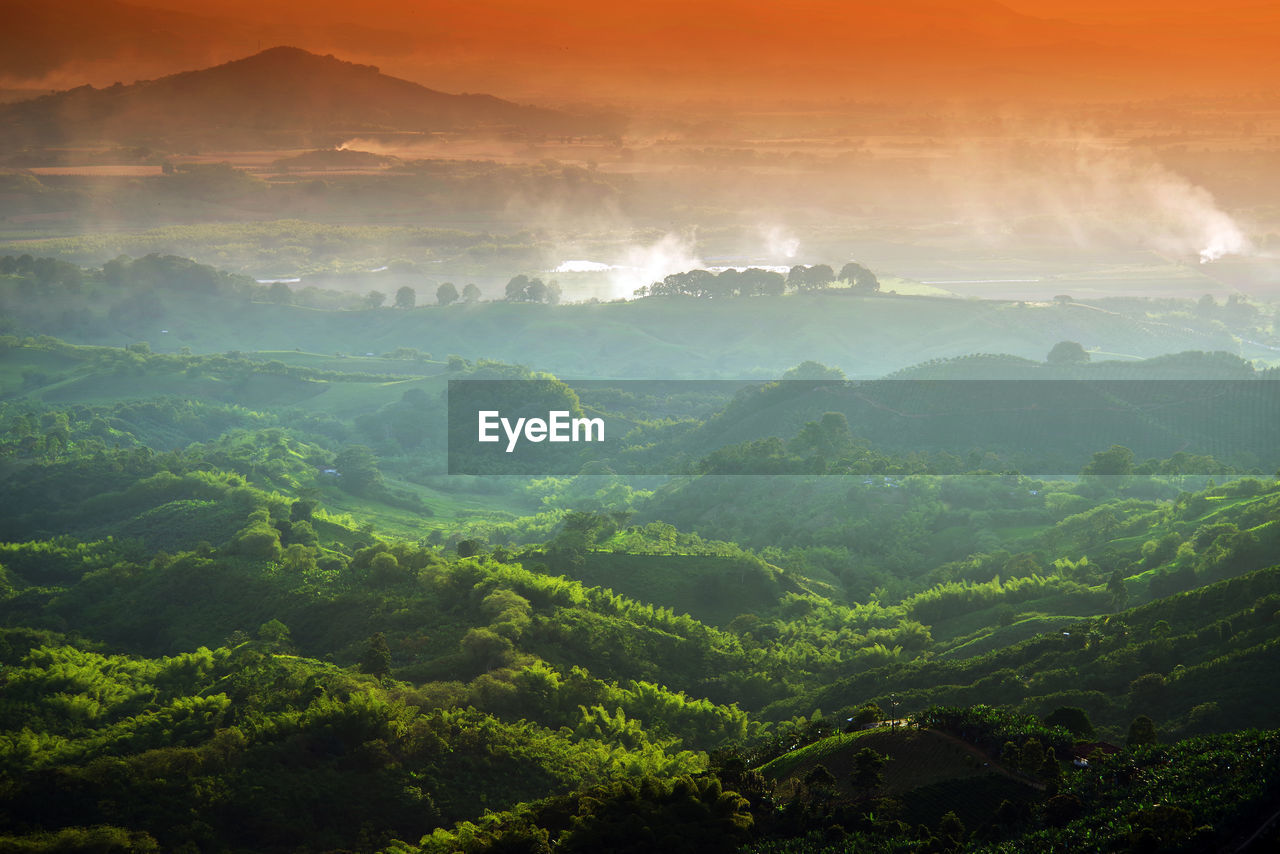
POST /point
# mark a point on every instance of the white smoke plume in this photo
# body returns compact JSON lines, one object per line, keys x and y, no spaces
{"x":639,"y":265}
{"x":1098,"y":195}
{"x":644,"y":265}
{"x":779,"y":243}
{"x":1193,"y":217}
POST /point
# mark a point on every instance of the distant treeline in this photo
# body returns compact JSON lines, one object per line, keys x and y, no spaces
{"x":754,"y":281}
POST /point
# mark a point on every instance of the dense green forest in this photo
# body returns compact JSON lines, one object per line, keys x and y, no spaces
{"x":244,"y":606}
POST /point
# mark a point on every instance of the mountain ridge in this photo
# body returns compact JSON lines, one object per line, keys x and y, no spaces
{"x":278,"y":97}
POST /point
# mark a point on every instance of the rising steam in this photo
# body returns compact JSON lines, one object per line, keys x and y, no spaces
{"x":640,"y":265}
{"x":1101,"y":195}
{"x":779,"y":243}
{"x":643,"y":265}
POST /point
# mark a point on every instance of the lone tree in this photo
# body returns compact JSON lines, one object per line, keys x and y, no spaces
{"x":446,"y":293}
{"x":1119,"y":593}
{"x":866,"y":774}
{"x":821,"y":275}
{"x":359,"y":468}
{"x":376,"y":660}
{"x":1050,"y":771}
{"x":1071,"y":718}
{"x":952,"y":829}
{"x":811,"y":370}
{"x":869,"y":713}
{"x":406,"y":297}
{"x":1141,"y":731}
{"x":471,"y":293}
{"x":1114,"y":460}
{"x":275,"y":635}
{"x":860,"y":278}
{"x":280,"y":293}
{"x":1067,"y":353}
{"x":820,"y":778}
{"x":518,"y":288}
{"x":804,"y":278}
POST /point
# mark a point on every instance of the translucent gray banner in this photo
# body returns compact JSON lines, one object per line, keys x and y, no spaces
{"x":882,"y":427}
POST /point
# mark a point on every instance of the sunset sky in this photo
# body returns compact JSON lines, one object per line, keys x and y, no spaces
{"x":738,"y":51}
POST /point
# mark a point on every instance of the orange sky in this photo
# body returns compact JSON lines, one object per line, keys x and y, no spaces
{"x":667,"y":50}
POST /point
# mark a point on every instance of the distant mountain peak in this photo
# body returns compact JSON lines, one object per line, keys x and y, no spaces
{"x":279,"y":97}
{"x":286,"y":55}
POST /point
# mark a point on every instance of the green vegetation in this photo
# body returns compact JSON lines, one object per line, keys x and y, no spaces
{"x":125,"y":301}
{"x":242,"y":606}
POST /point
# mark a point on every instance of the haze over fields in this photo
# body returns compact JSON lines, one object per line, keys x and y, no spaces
{"x":983,"y":149}
{"x":927,"y":355}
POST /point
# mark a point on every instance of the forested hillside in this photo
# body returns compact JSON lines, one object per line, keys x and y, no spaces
{"x":244,"y":607}
{"x":171,"y":302}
